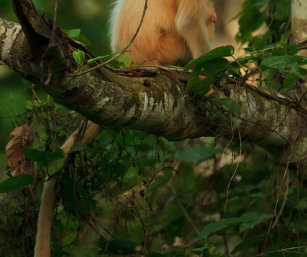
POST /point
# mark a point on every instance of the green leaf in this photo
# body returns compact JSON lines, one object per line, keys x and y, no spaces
{"x":223,"y":51}
{"x":249,"y":242}
{"x":212,"y":67}
{"x":125,"y":60}
{"x":248,"y":219}
{"x":197,"y":154}
{"x":53,"y":161}
{"x":84,"y":40}
{"x":76,"y":35}
{"x":281,"y":63}
{"x":303,"y":72}
{"x":234,"y":69}
{"x":251,"y":219}
{"x":302,"y":60}
{"x":73,"y":33}
{"x":33,"y":154}
{"x":122,"y":61}
{"x":284,"y":9}
{"x":229,"y":104}
{"x":250,"y":19}
{"x":77,"y":147}
{"x":79,"y":57}
{"x":291,"y":49}
{"x":290,"y":79}
{"x":41,"y":156}
{"x":55,"y":166}
{"x":159,"y":182}
{"x":57,"y":154}
{"x":200,"y":87}
{"x":218,"y":226}
{"x":70,"y":238}
{"x":84,"y":251}
{"x":208,"y":250}
{"x":14,"y":183}
{"x":98,"y":59}
{"x":120,"y":247}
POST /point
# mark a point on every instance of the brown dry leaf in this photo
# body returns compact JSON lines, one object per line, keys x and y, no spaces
{"x":21,"y":137}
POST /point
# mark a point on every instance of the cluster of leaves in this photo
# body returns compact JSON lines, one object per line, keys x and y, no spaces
{"x":280,"y":63}
{"x":142,"y":195}
{"x":120,"y":62}
{"x":79,"y":56}
{"x":271,"y":15}
{"x":277,"y":64}
{"x":19,"y":208}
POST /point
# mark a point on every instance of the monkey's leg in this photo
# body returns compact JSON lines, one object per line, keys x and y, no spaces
{"x":44,"y":224}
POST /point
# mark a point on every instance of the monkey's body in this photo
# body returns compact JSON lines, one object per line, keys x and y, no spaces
{"x":172,"y":30}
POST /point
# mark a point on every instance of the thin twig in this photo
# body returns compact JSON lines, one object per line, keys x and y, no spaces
{"x":118,"y":55}
{"x":277,"y":216}
{"x":283,"y":202}
{"x":301,"y":98}
{"x":284,"y":250}
{"x":280,"y":100}
{"x":52,"y":40}
{"x":184,"y":211}
{"x":303,"y":45}
{"x":234,"y":173}
{"x":55,"y":12}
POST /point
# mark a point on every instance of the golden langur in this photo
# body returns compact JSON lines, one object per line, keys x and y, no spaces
{"x":172,"y":30}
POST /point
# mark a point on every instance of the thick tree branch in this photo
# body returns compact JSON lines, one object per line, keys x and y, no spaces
{"x":155,"y":99}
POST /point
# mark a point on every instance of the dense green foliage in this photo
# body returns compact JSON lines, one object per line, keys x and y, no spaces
{"x":134,"y":194}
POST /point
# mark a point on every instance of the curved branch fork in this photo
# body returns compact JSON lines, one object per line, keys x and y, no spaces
{"x":152,"y":99}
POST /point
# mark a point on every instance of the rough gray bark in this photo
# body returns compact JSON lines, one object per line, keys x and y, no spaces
{"x":299,"y":37}
{"x":299,"y":21}
{"x":150,"y":99}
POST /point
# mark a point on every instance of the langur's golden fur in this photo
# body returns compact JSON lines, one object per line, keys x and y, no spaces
{"x":172,"y":30}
